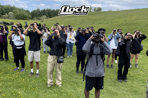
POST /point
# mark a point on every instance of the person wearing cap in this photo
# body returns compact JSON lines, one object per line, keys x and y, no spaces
{"x":18,"y":46}
{"x":81,"y":55}
{"x":63,"y":35}
{"x":70,"y":41}
{"x":46,"y":34}
{"x":124,"y":58}
{"x":119,"y":40}
{"x":3,"y":42}
{"x":112,"y":42}
{"x":137,"y":39}
{"x":55,"y":42}
{"x":34,"y":47}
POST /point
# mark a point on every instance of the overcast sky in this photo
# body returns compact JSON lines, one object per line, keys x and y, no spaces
{"x":56,"y":4}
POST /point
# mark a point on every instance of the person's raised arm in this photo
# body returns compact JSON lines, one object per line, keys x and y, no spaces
{"x":143,"y":36}
{"x":5,"y":32}
{"x":107,"y":49}
{"x":134,"y":35}
{"x":26,"y":30}
{"x":118,"y":35}
{"x":39,"y":32}
{"x":59,"y":28}
{"x":105,"y":37}
{"x":52,"y":28}
{"x":10,"y":35}
{"x":21,"y":37}
{"x":65,"y":31}
{"x":110,"y":36}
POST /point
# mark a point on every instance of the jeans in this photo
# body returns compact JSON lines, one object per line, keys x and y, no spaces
{"x":44,"y":45}
{"x":69,"y":49}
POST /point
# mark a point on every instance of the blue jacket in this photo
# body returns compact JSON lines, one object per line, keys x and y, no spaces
{"x":81,"y":40}
{"x":116,"y":37}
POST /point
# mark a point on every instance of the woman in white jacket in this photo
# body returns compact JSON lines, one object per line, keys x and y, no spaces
{"x":70,"y":41}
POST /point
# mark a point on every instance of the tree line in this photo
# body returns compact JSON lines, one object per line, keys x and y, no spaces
{"x":12,"y":12}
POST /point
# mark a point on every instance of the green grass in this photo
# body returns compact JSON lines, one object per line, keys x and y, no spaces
{"x":17,"y":84}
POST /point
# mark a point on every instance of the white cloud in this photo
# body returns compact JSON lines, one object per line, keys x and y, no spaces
{"x":74,"y":2}
{"x":96,"y":5}
{"x":41,"y":5}
{"x":17,"y":3}
{"x":107,"y":4}
{"x":57,"y":6}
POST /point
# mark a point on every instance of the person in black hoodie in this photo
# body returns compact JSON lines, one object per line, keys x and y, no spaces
{"x":124,"y":58}
{"x":136,"y":41}
{"x":56,"y":45}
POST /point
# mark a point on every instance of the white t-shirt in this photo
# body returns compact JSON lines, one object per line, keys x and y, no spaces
{"x":70,"y":36}
{"x":17,"y":40}
{"x":112,"y":43}
{"x":45,"y":34}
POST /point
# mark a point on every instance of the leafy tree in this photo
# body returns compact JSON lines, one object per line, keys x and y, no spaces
{"x":22,"y":15}
{"x":97,"y":9}
{"x":10,"y":15}
{"x":90,"y":9}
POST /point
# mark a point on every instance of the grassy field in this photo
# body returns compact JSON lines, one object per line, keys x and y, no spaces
{"x":19,"y":85}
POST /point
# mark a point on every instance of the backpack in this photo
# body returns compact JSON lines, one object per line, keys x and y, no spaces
{"x":90,"y":55}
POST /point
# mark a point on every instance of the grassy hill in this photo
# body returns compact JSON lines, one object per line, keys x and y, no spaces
{"x":19,"y":85}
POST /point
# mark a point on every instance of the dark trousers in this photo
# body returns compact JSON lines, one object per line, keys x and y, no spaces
{"x":64,"y":48}
{"x":123,"y":63}
{"x":19,"y":55}
{"x":116,"y":57}
{"x":3,"y":47}
{"x":81,"y":55}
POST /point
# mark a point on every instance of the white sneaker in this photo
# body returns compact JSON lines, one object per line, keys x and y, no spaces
{"x":49,"y":85}
{"x":59,"y":85}
{"x":116,"y":61}
{"x":68,"y":56}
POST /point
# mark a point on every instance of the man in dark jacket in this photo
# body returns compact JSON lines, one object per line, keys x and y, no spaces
{"x":56,"y":45}
{"x":95,"y":65}
{"x":124,"y":58}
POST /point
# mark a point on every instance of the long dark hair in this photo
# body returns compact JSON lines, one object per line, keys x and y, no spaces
{"x":20,"y":27}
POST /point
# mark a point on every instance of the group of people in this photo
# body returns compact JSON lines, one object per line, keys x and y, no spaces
{"x":90,"y":44}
